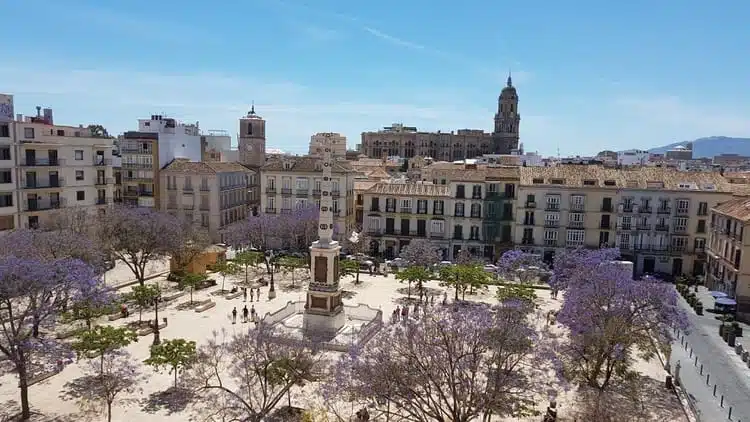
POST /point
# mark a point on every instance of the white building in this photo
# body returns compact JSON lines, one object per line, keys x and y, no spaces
{"x":176,"y":139}
{"x":633,"y":157}
{"x":216,"y":146}
{"x":338,"y":142}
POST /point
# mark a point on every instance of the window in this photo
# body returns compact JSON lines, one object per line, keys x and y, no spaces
{"x":204,"y":220}
{"x":474,"y":233}
{"x":538,"y":181}
{"x":460,"y":191}
{"x":271,"y":182}
{"x":553,"y":202}
{"x":437,"y":226}
{"x":683,"y":205}
{"x":550,"y":235}
{"x":4,"y":153}
{"x":28,"y":132}
{"x":437,"y":208}
{"x":576,"y":202}
{"x":373,"y":223}
{"x":405,"y":205}
{"x":79,"y":174}
{"x":700,"y":243}
{"x":459,"y":210}
{"x":680,"y":224}
{"x":476,"y":210}
{"x":530,"y":199}
{"x":80,"y":195}
{"x":557,"y":181}
{"x":703,"y":208}
{"x":492,"y":188}
{"x":701,"y":226}
{"x":552,"y":219}
{"x":576,"y":237}
{"x":390,"y":204}
{"x":589,"y":183}
{"x":609,"y":183}
{"x":458,"y":232}
{"x":6,"y":200}
{"x":271,"y":203}
{"x":79,"y":154}
{"x":4,"y":131}
{"x":476,"y":191}
{"x":421,"y":206}
{"x":624,"y":241}
{"x":5,"y":176}
{"x":302,"y":183}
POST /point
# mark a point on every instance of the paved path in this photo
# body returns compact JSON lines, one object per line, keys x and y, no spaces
{"x":725,"y":368}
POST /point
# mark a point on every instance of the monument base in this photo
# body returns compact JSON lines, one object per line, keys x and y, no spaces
{"x":323,"y":324}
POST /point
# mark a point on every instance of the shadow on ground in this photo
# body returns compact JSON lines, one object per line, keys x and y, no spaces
{"x":641,"y":399}
{"x":11,"y":412}
{"x":171,"y":400}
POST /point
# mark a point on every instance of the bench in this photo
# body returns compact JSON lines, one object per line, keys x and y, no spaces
{"x":114,"y":317}
{"x":62,"y":335}
{"x":205,"y":306}
{"x":149,"y":330}
{"x":234,"y":295}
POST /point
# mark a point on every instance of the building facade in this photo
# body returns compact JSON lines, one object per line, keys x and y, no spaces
{"x":46,"y":167}
{"x":338,"y":143}
{"x":657,"y":217}
{"x":287,"y":183}
{"x":407,"y":142}
{"x":213,"y":195}
{"x":216,"y":146}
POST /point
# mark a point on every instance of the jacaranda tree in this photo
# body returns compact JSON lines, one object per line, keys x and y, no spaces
{"x":517,"y":264}
{"x":139,"y":236}
{"x":456,"y":364}
{"x":33,"y":293}
{"x":611,"y":317}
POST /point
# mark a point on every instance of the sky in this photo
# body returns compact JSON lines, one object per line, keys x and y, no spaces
{"x":591,"y":74}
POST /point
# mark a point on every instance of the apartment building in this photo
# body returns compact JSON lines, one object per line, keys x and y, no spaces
{"x":49,"y":167}
{"x":338,"y":144}
{"x":213,"y":195}
{"x":288,"y":182}
{"x":727,"y":245}
{"x":658,"y":217}
{"x":485,"y":190}
{"x":158,"y":141}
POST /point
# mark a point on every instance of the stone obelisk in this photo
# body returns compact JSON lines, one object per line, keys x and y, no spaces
{"x":324,"y":311}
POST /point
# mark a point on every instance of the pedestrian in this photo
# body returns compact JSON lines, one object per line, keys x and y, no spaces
{"x":251,"y":294}
{"x":244,"y":294}
{"x":445,"y":298}
{"x":234,"y":315}
{"x":432,"y":300}
{"x":252,"y":312}
{"x":245,"y":312}
{"x":257,"y":294}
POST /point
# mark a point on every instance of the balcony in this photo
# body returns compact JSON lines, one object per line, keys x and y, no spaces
{"x":664,"y":210}
{"x":626,"y":207}
{"x":42,"y":162}
{"x":438,"y":211}
{"x":552,"y":224}
{"x":575,"y":224}
{"x":475,"y":215}
{"x":335,"y":193}
{"x":104,"y":181}
{"x":644,"y":227}
{"x":661,"y":227}
{"x":605,"y":226}
{"x":573,"y":244}
{"x":578,"y":207}
{"x":527,"y":241}
{"x":374,"y":209}
{"x":137,"y":166}
{"x":207,"y":207}
{"x":43,"y":204}
{"x":625,"y":227}
{"x":271,"y":190}
{"x":375,"y":232}
{"x":530,"y":204}
{"x":680,"y":229}
{"x":389,"y":209}
{"x":270,"y":210}
{"x":187,"y":189}
{"x":552,"y":207}
{"x":100,"y":161}
{"x":476,"y":196}
{"x":42,"y":184}
{"x":606,"y":208}
{"x":682,"y":211}
{"x":405,"y":210}
{"x":316,"y":192}
{"x":645,"y":209}
{"x":677,"y":249}
{"x":286,"y":210}
{"x":528,"y":222}
{"x":550,"y":242}
{"x":437,"y":235}
{"x":205,"y":188}
{"x":303,"y":192}
{"x":700,"y":251}
{"x":103,"y":200}
{"x":286,"y":191}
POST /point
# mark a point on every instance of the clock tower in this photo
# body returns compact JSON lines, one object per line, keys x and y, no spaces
{"x":507,"y":121}
{"x":251,"y":141}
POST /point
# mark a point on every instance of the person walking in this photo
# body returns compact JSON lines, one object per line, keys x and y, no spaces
{"x":245,"y":312}
{"x":234,"y":315}
{"x":251,"y":294}
{"x":244,"y":294}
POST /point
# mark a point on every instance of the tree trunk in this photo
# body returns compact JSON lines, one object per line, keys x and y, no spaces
{"x":101,"y":364}
{"x":222,"y":282}
{"x":174,"y":369}
{"x":191,"y":295}
{"x":23,"y":385}
{"x":157,"y":339}
{"x":109,"y":411}
{"x":35,"y":327}
{"x":357,"y":279}
{"x":457,"y":286}
{"x":140,"y":314}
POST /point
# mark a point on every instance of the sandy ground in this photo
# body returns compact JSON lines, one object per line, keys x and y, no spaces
{"x":379,"y":292}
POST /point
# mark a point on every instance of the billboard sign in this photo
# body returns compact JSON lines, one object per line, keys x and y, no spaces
{"x":6,"y":108}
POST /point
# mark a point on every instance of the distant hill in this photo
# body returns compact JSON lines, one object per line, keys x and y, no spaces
{"x":711,"y":146}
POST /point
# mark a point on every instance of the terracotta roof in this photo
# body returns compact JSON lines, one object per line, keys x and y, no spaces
{"x":199,"y":167}
{"x":304,"y":164}
{"x":410,"y":189}
{"x":474,"y":173}
{"x":738,"y":208}
{"x":362,"y":185}
{"x":572,"y":175}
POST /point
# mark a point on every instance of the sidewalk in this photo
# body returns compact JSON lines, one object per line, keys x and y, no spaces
{"x":723,"y":366}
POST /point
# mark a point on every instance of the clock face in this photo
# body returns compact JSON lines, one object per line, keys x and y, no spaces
{"x":249,"y":147}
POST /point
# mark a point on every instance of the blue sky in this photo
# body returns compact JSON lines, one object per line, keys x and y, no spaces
{"x":591,"y":75}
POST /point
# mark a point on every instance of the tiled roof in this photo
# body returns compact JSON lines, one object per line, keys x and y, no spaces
{"x":572,"y":175}
{"x":474,"y":173}
{"x":198,"y":167}
{"x":304,"y":164}
{"x":738,"y":208}
{"x":410,"y":189}
{"x":362,"y":185}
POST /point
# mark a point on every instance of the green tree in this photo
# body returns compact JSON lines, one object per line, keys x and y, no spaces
{"x":144,"y":296}
{"x":88,"y":311}
{"x":102,"y":339}
{"x":224,"y":269}
{"x":516,"y":291}
{"x":178,"y":355}
{"x":450,"y":276}
{"x":464,"y":277}
{"x":249,"y":259}
{"x":290,"y":265}
{"x":190,"y":281}
{"x":349,"y":267}
{"x":416,"y":275}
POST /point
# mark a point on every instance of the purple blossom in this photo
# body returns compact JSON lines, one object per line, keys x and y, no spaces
{"x":522,"y":265}
{"x":421,"y":252}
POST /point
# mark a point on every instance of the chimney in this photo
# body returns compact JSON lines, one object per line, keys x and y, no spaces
{"x":38,"y":111}
{"x":47,"y":112}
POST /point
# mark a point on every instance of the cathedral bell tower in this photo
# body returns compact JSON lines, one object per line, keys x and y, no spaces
{"x":251,"y":141}
{"x":507,"y":121}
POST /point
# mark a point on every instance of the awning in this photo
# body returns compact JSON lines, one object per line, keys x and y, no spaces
{"x":717,"y":295}
{"x":725,"y":301}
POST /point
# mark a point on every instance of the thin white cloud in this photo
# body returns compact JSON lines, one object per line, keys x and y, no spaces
{"x":391,"y":39}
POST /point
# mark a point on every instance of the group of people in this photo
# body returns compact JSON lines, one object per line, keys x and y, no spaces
{"x":253,"y":315}
{"x":254,"y":293}
{"x":401,"y":314}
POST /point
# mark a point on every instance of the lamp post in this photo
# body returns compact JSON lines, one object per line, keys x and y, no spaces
{"x":271,"y":290}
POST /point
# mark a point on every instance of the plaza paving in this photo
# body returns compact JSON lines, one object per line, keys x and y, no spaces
{"x":376,"y":291}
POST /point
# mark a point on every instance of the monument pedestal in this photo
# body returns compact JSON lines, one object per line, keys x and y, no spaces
{"x":324,"y":310}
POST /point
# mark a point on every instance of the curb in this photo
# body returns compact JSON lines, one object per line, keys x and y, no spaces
{"x":690,"y":413}
{"x":135,"y":281}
